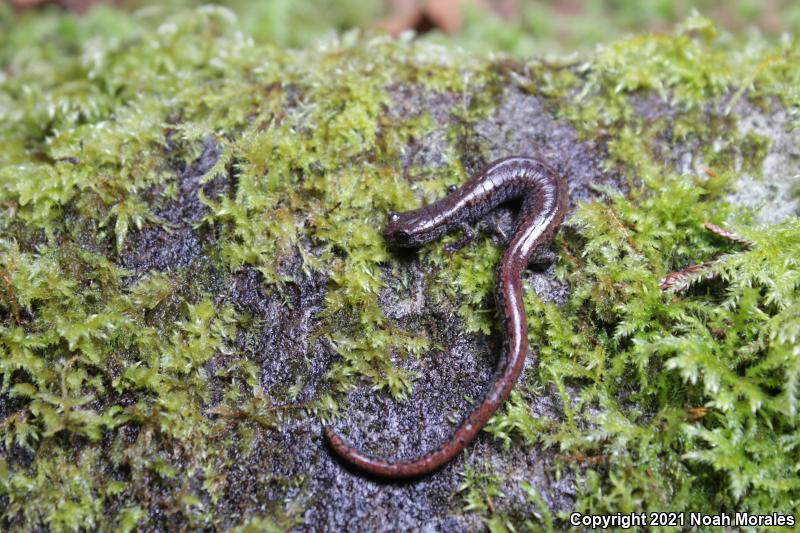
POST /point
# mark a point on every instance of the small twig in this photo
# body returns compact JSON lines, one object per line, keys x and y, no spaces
{"x":680,"y":279}
{"x":727,"y":234}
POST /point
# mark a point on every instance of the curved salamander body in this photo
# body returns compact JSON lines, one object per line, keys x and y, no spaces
{"x":544,"y":201}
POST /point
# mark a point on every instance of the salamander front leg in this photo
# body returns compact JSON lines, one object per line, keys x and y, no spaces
{"x":467,"y":237}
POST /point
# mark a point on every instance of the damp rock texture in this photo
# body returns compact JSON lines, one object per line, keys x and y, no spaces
{"x":193,"y":281}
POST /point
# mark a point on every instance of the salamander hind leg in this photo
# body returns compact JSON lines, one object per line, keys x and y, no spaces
{"x":542,"y":258}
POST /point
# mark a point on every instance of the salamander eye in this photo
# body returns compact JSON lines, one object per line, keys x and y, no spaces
{"x":452,"y":188}
{"x":393,"y":216}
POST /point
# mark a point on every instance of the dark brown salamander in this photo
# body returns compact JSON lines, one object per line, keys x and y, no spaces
{"x":544,"y":200}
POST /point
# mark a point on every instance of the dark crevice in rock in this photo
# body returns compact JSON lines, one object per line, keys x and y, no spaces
{"x":176,"y":243}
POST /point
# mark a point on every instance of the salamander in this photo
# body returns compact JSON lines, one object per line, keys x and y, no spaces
{"x":544,"y":196}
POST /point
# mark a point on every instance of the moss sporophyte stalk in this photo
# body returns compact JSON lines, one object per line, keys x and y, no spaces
{"x":193,"y":278}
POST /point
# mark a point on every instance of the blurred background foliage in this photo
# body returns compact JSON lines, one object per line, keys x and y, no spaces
{"x":520,"y":27}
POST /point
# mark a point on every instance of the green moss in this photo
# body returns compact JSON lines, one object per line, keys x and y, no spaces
{"x":120,"y":384}
{"x":691,"y":398}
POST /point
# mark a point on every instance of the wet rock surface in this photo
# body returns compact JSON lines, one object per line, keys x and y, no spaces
{"x":448,"y":381}
{"x":177,"y":244}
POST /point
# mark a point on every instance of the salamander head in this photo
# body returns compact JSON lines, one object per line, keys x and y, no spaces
{"x":408,"y":229}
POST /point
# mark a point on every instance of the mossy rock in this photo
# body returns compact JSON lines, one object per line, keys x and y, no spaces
{"x":193,"y":279}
